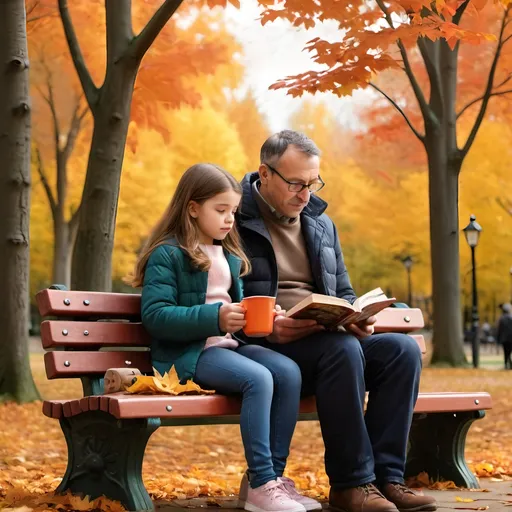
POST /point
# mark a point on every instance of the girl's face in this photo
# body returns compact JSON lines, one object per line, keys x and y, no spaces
{"x":216,"y":216}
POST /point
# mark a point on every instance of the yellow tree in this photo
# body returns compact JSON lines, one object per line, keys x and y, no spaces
{"x":205,"y":135}
{"x":251,"y":127}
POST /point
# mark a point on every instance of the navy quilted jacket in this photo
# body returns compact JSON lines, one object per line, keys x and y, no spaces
{"x":322,"y":243}
{"x":173,"y":308}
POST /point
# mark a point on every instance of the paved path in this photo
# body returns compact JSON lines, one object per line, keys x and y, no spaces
{"x":492,"y":500}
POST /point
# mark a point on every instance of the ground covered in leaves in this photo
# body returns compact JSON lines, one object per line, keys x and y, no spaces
{"x":184,"y":462}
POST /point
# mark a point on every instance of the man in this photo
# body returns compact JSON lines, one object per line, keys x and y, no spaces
{"x":504,"y":334}
{"x":294,"y":250}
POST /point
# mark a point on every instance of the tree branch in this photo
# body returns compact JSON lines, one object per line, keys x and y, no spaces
{"x":44,"y":181}
{"x":509,"y":77}
{"x":488,"y":89}
{"x":425,"y":109}
{"x":431,"y":60}
{"x":144,"y":40}
{"x":506,"y":207}
{"x":459,"y":12}
{"x":476,"y":100}
{"x":56,"y":125}
{"x":90,"y":90}
{"x":74,"y":130}
{"x":400,"y":111}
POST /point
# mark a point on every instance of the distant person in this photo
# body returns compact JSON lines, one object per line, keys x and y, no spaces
{"x":504,"y":334}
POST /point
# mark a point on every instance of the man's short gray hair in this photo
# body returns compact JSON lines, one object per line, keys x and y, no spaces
{"x":274,"y":147}
{"x":507,"y":308}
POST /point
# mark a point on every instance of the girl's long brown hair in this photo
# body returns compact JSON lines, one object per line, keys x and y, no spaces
{"x":199,"y":183}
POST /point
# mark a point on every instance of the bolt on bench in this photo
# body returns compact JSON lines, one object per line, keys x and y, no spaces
{"x":106,"y":435}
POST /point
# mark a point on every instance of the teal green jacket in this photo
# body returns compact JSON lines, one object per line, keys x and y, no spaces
{"x":174,"y":311}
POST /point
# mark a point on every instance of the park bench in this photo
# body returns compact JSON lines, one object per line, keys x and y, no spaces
{"x":86,"y":333}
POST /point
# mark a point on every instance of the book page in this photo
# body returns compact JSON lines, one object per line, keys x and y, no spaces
{"x":317,"y":300}
{"x":372,"y":297}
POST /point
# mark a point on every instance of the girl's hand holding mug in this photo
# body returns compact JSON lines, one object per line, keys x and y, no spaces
{"x":231,"y":317}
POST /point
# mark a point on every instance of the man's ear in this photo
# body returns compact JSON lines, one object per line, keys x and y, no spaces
{"x":264,"y":173}
{"x":192,"y":208}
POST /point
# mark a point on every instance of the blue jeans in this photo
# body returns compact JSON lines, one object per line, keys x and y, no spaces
{"x":270,"y":385}
{"x":338,"y":369}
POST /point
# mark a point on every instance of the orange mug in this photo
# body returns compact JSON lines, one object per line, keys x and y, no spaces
{"x":259,"y":315}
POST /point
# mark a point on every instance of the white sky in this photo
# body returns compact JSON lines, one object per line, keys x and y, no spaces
{"x":276,"y":51}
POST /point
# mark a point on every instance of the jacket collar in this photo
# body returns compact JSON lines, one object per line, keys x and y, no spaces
{"x":233,"y":261}
{"x":250,"y":210}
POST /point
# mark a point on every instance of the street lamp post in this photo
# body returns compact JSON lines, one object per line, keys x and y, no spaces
{"x":472,"y":234}
{"x":407,"y":261}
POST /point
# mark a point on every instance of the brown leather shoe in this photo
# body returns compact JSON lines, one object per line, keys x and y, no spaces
{"x":407,"y":500}
{"x":365,"y":498}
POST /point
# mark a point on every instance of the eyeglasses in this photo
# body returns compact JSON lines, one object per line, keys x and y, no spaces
{"x":299,"y":187}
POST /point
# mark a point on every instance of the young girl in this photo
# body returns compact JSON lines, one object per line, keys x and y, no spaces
{"x":190,"y":273}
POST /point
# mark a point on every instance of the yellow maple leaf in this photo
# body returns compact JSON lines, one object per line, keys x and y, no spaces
{"x":168,"y":384}
{"x":463,"y":500}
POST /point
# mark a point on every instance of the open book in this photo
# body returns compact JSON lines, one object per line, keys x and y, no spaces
{"x":332,"y":311}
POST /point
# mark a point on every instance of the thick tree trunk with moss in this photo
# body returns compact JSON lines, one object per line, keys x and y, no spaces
{"x":16,"y":381}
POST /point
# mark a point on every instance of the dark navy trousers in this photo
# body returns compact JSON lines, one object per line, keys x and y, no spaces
{"x":338,"y":369}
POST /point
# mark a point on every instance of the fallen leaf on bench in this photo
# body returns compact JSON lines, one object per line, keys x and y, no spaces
{"x":167,"y":384}
{"x":463,"y":500}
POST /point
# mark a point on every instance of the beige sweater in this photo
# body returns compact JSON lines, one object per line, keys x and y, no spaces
{"x":294,"y":270}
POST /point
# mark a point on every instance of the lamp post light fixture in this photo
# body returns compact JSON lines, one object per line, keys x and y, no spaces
{"x":472,"y":233}
{"x":408,"y":262}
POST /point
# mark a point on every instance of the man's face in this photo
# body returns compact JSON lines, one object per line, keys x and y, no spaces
{"x":297,"y":167}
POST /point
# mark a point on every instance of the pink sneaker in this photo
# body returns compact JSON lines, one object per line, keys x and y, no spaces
{"x":270,"y":497}
{"x":289,"y":487}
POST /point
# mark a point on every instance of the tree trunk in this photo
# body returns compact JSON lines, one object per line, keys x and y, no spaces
{"x":64,"y":236}
{"x":444,"y":250}
{"x":92,"y":256}
{"x":16,"y":381}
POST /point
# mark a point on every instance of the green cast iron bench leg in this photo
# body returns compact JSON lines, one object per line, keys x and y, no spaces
{"x":105,"y":457}
{"x":436,"y":445}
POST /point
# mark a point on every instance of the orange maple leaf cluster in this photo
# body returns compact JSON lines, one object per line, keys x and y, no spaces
{"x":369,"y":35}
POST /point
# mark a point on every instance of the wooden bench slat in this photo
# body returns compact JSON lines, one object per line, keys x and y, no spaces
{"x":57,"y":409}
{"x":399,"y":320}
{"x":60,"y":364}
{"x":117,"y":305}
{"x":124,"y":406}
{"x":453,"y":402}
{"x":97,"y":363}
{"x":94,"y":403}
{"x":420,"y":340}
{"x":66,"y":333}
{"x":122,"y":305}
{"x":133,"y":406}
